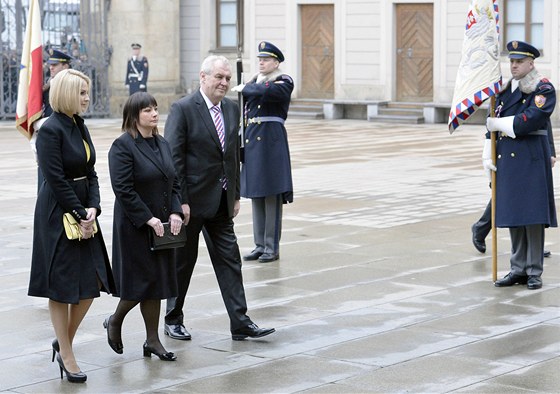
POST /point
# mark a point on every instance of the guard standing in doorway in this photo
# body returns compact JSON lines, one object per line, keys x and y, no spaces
{"x":136,"y":71}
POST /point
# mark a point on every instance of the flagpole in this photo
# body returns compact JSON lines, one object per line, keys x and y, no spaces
{"x":479,"y":78}
{"x":239,"y":41}
{"x":493,"y":204}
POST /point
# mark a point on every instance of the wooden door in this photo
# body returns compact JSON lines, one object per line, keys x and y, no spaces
{"x":317,"y":67}
{"x":415,"y":52}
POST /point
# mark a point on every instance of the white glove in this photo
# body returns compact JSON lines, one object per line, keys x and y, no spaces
{"x":238,"y":88}
{"x":505,"y":125}
{"x":142,"y":86}
{"x":37,"y":125}
{"x":487,"y":158}
{"x":32,"y":143}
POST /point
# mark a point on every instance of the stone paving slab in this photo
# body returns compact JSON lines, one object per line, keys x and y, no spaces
{"x":378,"y":288}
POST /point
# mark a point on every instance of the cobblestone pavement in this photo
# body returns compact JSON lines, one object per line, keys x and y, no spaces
{"x":378,"y":288}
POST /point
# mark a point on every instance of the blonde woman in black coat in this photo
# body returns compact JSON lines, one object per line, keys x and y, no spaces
{"x":146,"y":194}
{"x":68,"y":272}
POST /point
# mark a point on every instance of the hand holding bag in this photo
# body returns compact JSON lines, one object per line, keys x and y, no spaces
{"x":72,"y":227}
{"x":168,"y":240}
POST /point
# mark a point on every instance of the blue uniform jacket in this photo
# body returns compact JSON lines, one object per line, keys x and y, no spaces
{"x":524,"y":188}
{"x":267,"y":170}
{"x":137,"y":74}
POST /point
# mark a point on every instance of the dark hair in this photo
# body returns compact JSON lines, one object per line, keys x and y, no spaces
{"x":131,"y":112}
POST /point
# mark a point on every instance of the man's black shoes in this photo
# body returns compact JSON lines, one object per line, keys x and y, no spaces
{"x":534,"y":282}
{"x":261,"y":256}
{"x":176,"y":331}
{"x":254,"y":255}
{"x":268,"y":257}
{"x":510,"y":280}
{"x":547,"y":253}
{"x":252,"y":331}
{"x":479,"y":245}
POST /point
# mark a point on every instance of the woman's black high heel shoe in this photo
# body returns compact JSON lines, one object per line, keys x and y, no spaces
{"x":79,"y":377}
{"x":55,"y":348}
{"x":116,"y":346}
{"x":148,"y":351}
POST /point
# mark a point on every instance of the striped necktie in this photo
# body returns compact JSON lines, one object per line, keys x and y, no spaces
{"x":219,"y":124}
{"x":221,"y":133}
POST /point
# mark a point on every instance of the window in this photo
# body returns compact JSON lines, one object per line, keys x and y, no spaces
{"x":523,"y":21}
{"x":226,"y":23}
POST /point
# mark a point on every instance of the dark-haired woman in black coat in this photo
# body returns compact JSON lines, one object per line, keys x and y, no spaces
{"x":146,"y":194}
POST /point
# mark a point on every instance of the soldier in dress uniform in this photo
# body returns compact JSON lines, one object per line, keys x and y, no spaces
{"x":482,"y":227}
{"x":57,"y":62}
{"x":266,"y":174}
{"x":524,"y":189}
{"x":136,"y":71}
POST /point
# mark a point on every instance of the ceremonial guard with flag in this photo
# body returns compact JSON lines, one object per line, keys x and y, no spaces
{"x":524,"y":188}
{"x":516,"y":153}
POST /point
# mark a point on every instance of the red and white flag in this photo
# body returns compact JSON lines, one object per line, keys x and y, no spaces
{"x":30,"y":88}
{"x":479,"y":76}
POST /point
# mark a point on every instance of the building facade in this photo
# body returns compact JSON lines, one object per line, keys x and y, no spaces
{"x":357,"y":51}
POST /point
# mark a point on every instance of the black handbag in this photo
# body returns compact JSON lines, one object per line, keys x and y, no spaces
{"x":168,"y":241}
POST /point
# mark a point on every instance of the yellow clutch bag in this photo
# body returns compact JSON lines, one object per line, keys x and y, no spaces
{"x":72,"y":227}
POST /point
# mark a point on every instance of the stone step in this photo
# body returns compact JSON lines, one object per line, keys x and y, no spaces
{"x":306,"y":109}
{"x":400,"y":104}
{"x":313,"y":102}
{"x":401,"y":111}
{"x":305,"y":115}
{"x":410,"y":119}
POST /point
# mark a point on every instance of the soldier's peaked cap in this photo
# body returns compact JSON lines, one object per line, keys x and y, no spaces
{"x":266,"y":49}
{"x":520,"y":49}
{"x":56,"y":56}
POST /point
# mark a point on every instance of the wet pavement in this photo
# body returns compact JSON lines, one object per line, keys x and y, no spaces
{"x":378,"y":287}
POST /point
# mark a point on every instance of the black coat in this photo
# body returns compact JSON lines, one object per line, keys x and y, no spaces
{"x":63,"y":270}
{"x":524,"y":188}
{"x":145,"y":186}
{"x":266,"y":169}
{"x":198,"y":156}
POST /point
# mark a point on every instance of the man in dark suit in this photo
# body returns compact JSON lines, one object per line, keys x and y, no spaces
{"x":202,"y":130}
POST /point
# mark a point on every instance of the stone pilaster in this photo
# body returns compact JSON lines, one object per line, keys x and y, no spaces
{"x":155,"y":25}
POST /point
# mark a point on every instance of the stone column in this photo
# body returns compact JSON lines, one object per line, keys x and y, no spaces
{"x":155,"y":26}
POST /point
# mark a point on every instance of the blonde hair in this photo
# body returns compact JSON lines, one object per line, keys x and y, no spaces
{"x":64,"y":93}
